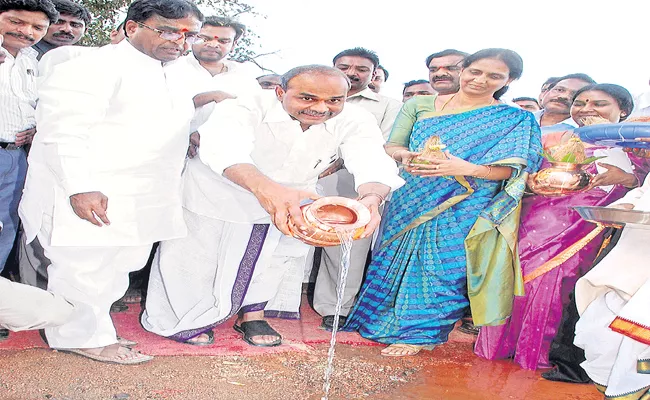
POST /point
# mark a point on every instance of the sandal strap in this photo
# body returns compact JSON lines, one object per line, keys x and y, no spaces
{"x":258,"y":328}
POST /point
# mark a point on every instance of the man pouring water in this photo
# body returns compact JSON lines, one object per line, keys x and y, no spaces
{"x":260,"y":157}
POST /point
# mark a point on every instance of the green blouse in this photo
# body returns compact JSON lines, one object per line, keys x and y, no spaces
{"x":415,"y":109}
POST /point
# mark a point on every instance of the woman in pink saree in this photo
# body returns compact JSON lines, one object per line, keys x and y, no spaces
{"x":557,"y":247}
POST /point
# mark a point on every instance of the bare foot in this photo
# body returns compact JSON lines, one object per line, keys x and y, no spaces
{"x":401,"y":350}
{"x":113,"y":353}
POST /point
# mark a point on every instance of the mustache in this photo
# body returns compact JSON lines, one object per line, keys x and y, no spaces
{"x":20,"y":36}
{"x":63,"y":35}
{"x":315,"y":113}
{"x":442,"y":78}
{"x":562,"y":101}
{"x":353,"y":78}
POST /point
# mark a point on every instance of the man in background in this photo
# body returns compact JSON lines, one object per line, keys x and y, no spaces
{"x":527,"y":103}
{"x":360,"y":66}
{"x":22,"y":24}
{"x":420,"y":87}
{"x":555,"y":115}
{"x":381,"y":76}
{"x":68,"y":29}
{"x":269,"y":81}
{"x":545,"y":86}
{"x":444,"y":73}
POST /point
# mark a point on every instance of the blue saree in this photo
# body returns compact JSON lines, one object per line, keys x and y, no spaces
{"x":416,"y":286}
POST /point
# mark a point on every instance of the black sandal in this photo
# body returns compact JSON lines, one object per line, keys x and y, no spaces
{"x":258,"y":328}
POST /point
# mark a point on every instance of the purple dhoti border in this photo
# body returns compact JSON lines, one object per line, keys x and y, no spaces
{"x":242,"y":281}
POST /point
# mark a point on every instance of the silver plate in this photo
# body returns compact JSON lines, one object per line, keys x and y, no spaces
{"x":615,"y":216}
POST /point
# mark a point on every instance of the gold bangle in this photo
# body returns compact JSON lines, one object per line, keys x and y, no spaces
{"x":392,"y":155}
{"x":382,"y":199}
{"x":487,"y":174}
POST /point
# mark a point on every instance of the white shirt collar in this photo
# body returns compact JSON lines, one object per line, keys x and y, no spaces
{"x":367,"y":93}
{"x":568,"y":121}
{"x":24,"y":52}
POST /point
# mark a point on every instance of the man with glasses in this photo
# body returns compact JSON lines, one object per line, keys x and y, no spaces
{"x":105,"y":170}
{"x":556,"y":104}
{"x":444,"y":73}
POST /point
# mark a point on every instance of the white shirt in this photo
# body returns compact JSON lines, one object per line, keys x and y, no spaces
{"x":383,"y":108}
{"x":59,"y":55}
{"x":257,"y":130}
{"x":642,"y":105}
{"x":115,"y":121}
{"x":238,"y":80}
{"x":18,"y":93}
{"x":565,"y":125}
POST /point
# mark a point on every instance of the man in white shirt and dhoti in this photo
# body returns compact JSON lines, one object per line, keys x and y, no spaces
{"x":260,"y":157}
{"x":105,"y":170}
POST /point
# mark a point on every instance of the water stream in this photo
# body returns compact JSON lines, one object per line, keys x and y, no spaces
{"x":346,"y":245}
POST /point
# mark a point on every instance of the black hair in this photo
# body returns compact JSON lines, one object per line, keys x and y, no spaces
{"x":142,"y":10}
{"x":579,"y":76}
{"x":44,"y":6}
{"x":445,"y":53}
{"x":306,"y":69}
{"x":516,"y":99}
{"x":510,"y":58}
{"x":226,"y":22}
{"x":413,"y":83}
{"x":71,"y":8}
{"x":359,"y":52}
{"x":381,"y":67}
{"x":265,"y":75}
{"x":550,"y":81}
{"x":619,"y":93}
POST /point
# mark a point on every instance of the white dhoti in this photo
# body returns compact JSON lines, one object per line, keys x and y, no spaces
{"x":92,"y":279}
{"x":23,"y":307}
{"x":614,"y":325}
{"x":202,"y":280}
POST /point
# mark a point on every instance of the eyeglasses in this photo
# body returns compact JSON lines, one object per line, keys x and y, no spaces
{"x":190,"y":38}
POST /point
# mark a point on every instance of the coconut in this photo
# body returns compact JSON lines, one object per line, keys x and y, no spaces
{"x":588,"y":121}
{"x":432,"y":150}
{"x":573,"y":146}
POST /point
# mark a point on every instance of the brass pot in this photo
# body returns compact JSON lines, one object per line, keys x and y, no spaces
{"x":327,"y":215}
{"x":560,"y":179}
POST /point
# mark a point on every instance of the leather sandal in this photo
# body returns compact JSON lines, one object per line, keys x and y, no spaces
{"x":251,"y":329}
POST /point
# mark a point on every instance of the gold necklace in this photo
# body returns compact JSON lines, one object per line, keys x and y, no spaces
{"x":452,"y":97}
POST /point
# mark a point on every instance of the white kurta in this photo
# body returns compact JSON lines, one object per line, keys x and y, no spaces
{"x":615,"y":294}
{"x":113,"y":121}
{"x":238,"y":80}
{"x":254,"y":130}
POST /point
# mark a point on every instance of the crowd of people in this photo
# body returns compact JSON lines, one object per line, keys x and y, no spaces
{"x":196,"y":165}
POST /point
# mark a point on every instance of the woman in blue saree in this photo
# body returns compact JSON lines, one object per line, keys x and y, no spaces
{"x":450,"y":234}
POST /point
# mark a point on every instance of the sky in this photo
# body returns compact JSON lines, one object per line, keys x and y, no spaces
{"x":609,"y":40}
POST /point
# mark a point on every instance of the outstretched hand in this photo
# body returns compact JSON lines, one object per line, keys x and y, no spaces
{"x":283,"y":204}
{"x":613,"y":176}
